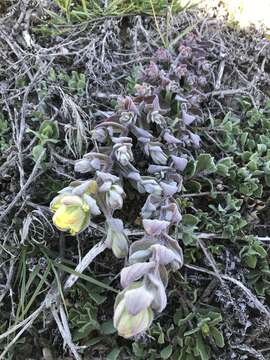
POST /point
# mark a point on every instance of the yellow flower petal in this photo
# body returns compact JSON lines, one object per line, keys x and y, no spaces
{"x":70,"y":218}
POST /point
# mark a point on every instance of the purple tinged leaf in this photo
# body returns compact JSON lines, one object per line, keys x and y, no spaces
{"x":157,"y":287}
{"x":134,"y":272}
{"x":128,"y":104}
{"x":157,"y":154}
{"x":82,"y":188}
{"x":175,"y":247}
{"x":152,"y":169}
{"x":187,"y":118}
{"x":105,"y":187}
{"x":137,"y":300}
{"x":150,"y":206}
{"x":127,"y":118}
{"x":149,"y":185}
{"x":96,"y":164}
{"x":162,"y":255}
{"x":171,"y":213}
{"x":195,"y":139}
{"x":116,"y":238}
{"x":94,"y":209}
{"x":140,"y":132}
{"x":114,"y":199}
{"x":121,"y":140}
{"x":155,"y":227}
{"x":83,"y":166}
{"x":139,"y":256}
{"x":156,"y":106}
{"x":134,"y":176}
{"x":99,"y":134}
{"x":180,"y":163}
{"x":104,"y":176}
{"x":170,"y":139}
{"x":169,"y":189}
{"x":141,"y":245}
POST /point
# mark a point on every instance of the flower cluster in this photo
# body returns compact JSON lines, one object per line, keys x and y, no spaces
{"x":145,"y":279}
{"x":145,"y":145}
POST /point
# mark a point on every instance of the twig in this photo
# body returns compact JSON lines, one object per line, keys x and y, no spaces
{"x":225,"y":92}
{"x":85,"y":262}
{"x":9,"y":279}
{"x":249,"y":294}
{"x":220,"y":74}
{"x":25,"y":186}
{"x":64,"y":331}
{"x":205,"y":193}
{"x":210,"y":259}
{"x":219,"y":236}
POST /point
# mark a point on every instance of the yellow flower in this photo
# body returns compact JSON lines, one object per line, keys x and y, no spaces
{"x":72,"y":212}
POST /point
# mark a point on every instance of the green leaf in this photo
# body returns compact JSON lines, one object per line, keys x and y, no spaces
{"x":205,"y":163}
{"x":181,"y":321}
{"x":49,"y":129}
{"x":190,"y":168}
{"x":98,"y":299}
{"x":222,"y":170}
{"x":189,"y":220}
{"x":201,"y":347}
{"x":193,"y":186}
{"x":251,"y":261}
{"x":218,"y":337}
{"x":114,"y":354}
{"x":107,"y":327}
{"x":84,"y":277}
{"x":37,"y":151}
{"x":137,"y":350}
{"x":166,"y":352}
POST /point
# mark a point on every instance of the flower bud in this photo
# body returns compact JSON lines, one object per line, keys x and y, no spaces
{"x":99,"y":134}
{"x":132,"y":312}
{"x":143,"y":89}
{"x":152,"y":71}
{"x":91,"y":162}
{"x":116,"y":238}
{"x":127,"y":118}
{"x":163,"y":55}
{"x":114,"y":193}
{"x":123,"y":153}
{"x":114,"y":197}
{"x":169,"y":188}
{"x":156,"y":117}
{"x":86,"y":165}
{"x":181,"y":71}
{"x":185,"y":52}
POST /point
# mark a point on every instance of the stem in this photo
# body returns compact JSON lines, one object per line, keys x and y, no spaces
{"x":84,"y":263}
